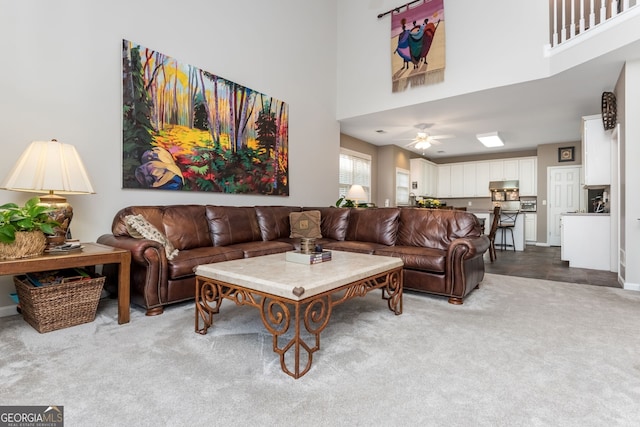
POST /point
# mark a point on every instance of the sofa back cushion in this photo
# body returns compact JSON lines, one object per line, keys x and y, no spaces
{"x":153,"y":214}
{"x":229,"y":225}
{"x":376,"y":225}
{"x":274,"y":221}
{"x":435,"y":228}
{"x":186,"y":226}
{"x":333,"y":222}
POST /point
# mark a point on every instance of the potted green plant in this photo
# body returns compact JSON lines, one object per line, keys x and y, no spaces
{"x":23,"y":229}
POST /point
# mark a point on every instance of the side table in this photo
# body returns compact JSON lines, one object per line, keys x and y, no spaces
{"x":91,"y":254}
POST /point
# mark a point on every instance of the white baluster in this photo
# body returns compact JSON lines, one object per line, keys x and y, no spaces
{"x":592,"y":15}
{"x":603,"y":11}
{"x":555,"y":23}
{"x":625,"y":5}
{"x":573,"y":19}
{"x":582,"y":16}
{"x":564,"y":22}
{"x":614,"y":8}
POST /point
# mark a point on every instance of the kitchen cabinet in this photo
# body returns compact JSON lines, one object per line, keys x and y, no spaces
{"x":528,"y":176}
{"x":596,"y":151}
{"x":469,"y":179}
{"x":530,"y":227}
{"x":482,"y":179}
{"x":457,"y":180}
{"x":586,"y":240}
{"x":424,"y":175}
{"x":503,"y":170}
{"x":444,"y":181}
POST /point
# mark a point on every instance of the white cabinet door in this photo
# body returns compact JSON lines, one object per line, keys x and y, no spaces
{"x":482,"y":179}
{"x":596,"y":151}
{"x":432,"y":179}
{"x":417,"y":176}
{"x":457,"y":180}
{"x":511,"y":169}
{"x":530,"y":227}
{"x":528,"y":176}
{"x":496,"y":170}
{"x":469,"y":177}
{"x":444,"y":181}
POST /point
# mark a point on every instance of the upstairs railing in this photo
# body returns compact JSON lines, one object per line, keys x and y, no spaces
{"x":570,"y":18}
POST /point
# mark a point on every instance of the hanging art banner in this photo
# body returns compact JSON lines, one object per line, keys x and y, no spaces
{"x":417,"y":44}
{"x":186,"y":129}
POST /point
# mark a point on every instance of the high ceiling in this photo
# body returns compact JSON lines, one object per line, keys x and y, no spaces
{"x":526,"y":115}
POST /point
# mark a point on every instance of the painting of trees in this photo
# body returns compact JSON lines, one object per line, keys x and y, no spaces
{"x":187,"y":129}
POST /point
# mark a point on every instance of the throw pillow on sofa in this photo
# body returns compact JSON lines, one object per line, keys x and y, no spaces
{"x":139,"y":228}
{"x":305,"y":224}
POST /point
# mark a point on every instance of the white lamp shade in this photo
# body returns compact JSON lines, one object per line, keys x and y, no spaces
{"x":356,"y":192}
{"x":49,"y":166}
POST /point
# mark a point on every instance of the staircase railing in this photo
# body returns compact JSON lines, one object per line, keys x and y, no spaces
{"x":570,"y":18}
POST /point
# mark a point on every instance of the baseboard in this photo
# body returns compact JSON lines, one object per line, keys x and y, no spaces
{"x":631,"y":286}
{"x":8,"y":310}
{"x":543,"y":244}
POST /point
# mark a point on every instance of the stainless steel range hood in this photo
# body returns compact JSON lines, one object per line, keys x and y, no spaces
{"x":504,"y":185}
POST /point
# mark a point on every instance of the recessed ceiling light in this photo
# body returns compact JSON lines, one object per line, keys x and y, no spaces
{"x":491,"y":139}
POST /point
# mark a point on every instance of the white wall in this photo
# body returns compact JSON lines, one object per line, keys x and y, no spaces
{"x":61,"y":78}
{"x":488,"y":44}
{"x":631,"y":216}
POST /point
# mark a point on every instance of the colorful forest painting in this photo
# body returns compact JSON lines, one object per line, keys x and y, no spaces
{"x":186,"y":129}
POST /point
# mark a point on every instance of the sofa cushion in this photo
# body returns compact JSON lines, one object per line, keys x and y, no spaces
{"x":351,"y":246}
{"x":376,"y":225}
{"x":139,"y":228}
{"x":416,"y":258}
{"x":260,"y":248}
{"x":229,"y":225}
{"x":186,"y":226}
{"x":435,"y":228}
{"x":333,"y":222}
{"x":184,"y":263}
{"x":305,"y":224}
{"x":274,"y":221}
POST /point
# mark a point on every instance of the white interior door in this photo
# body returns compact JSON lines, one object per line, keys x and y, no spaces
{"x":563,"y":196}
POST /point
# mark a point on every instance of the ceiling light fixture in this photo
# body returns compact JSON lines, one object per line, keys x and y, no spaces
{"x":423,"y":145}
{"x":491,"y":139}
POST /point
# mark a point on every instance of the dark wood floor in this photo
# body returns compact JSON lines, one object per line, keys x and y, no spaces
{"x":539,"y":262}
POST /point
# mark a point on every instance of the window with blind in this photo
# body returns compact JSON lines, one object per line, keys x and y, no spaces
{"x":402,"y":186}
{"x":355,"y":168}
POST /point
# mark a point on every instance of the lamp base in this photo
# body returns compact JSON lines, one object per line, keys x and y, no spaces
{"x":62,"y":213}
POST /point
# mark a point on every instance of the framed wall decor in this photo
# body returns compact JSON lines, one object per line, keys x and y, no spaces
{"x":566,"y":154}
{"x":187,"y":129}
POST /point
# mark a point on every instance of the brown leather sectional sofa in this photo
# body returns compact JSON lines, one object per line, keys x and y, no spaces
{"x":442,"y":250}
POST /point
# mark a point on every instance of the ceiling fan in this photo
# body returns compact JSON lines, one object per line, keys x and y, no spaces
{"x":423,"y":140}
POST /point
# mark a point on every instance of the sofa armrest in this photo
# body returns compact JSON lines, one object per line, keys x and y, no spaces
{"x":137,"y":247}
{"x":149,"y":267}
{"x":472,"y":246}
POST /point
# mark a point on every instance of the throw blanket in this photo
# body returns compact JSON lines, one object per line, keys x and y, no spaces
{"x":417,"y":44}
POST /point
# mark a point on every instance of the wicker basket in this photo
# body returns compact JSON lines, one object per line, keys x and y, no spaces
{"x":27,"y":244}
{"x":48,"y":308}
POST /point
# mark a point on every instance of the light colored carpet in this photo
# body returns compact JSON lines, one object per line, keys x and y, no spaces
{"x":519,"y":352}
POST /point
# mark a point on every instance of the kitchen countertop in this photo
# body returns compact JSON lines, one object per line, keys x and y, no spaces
{"x":585,"y":214}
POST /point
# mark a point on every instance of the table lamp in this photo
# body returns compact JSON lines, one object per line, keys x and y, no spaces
{"x":48,"y":167}
{"x":355,"y":193}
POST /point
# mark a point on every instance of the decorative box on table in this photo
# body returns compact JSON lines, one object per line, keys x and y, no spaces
{"x":58,"y":299}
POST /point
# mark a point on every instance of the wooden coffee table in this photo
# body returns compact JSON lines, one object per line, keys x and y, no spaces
{"x":91,"y":254}
{"x":295,"y":300}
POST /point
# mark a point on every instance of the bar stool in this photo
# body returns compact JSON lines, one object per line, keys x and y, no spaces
{"x":495,"y":220}
{"x":507,"y":222}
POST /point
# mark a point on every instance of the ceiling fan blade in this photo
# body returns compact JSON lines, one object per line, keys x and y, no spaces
{"x":443,"y":136}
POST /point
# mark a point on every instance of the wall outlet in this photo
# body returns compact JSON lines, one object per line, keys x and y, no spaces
{"x":470,"y":203}
{"x":544,"y":203}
